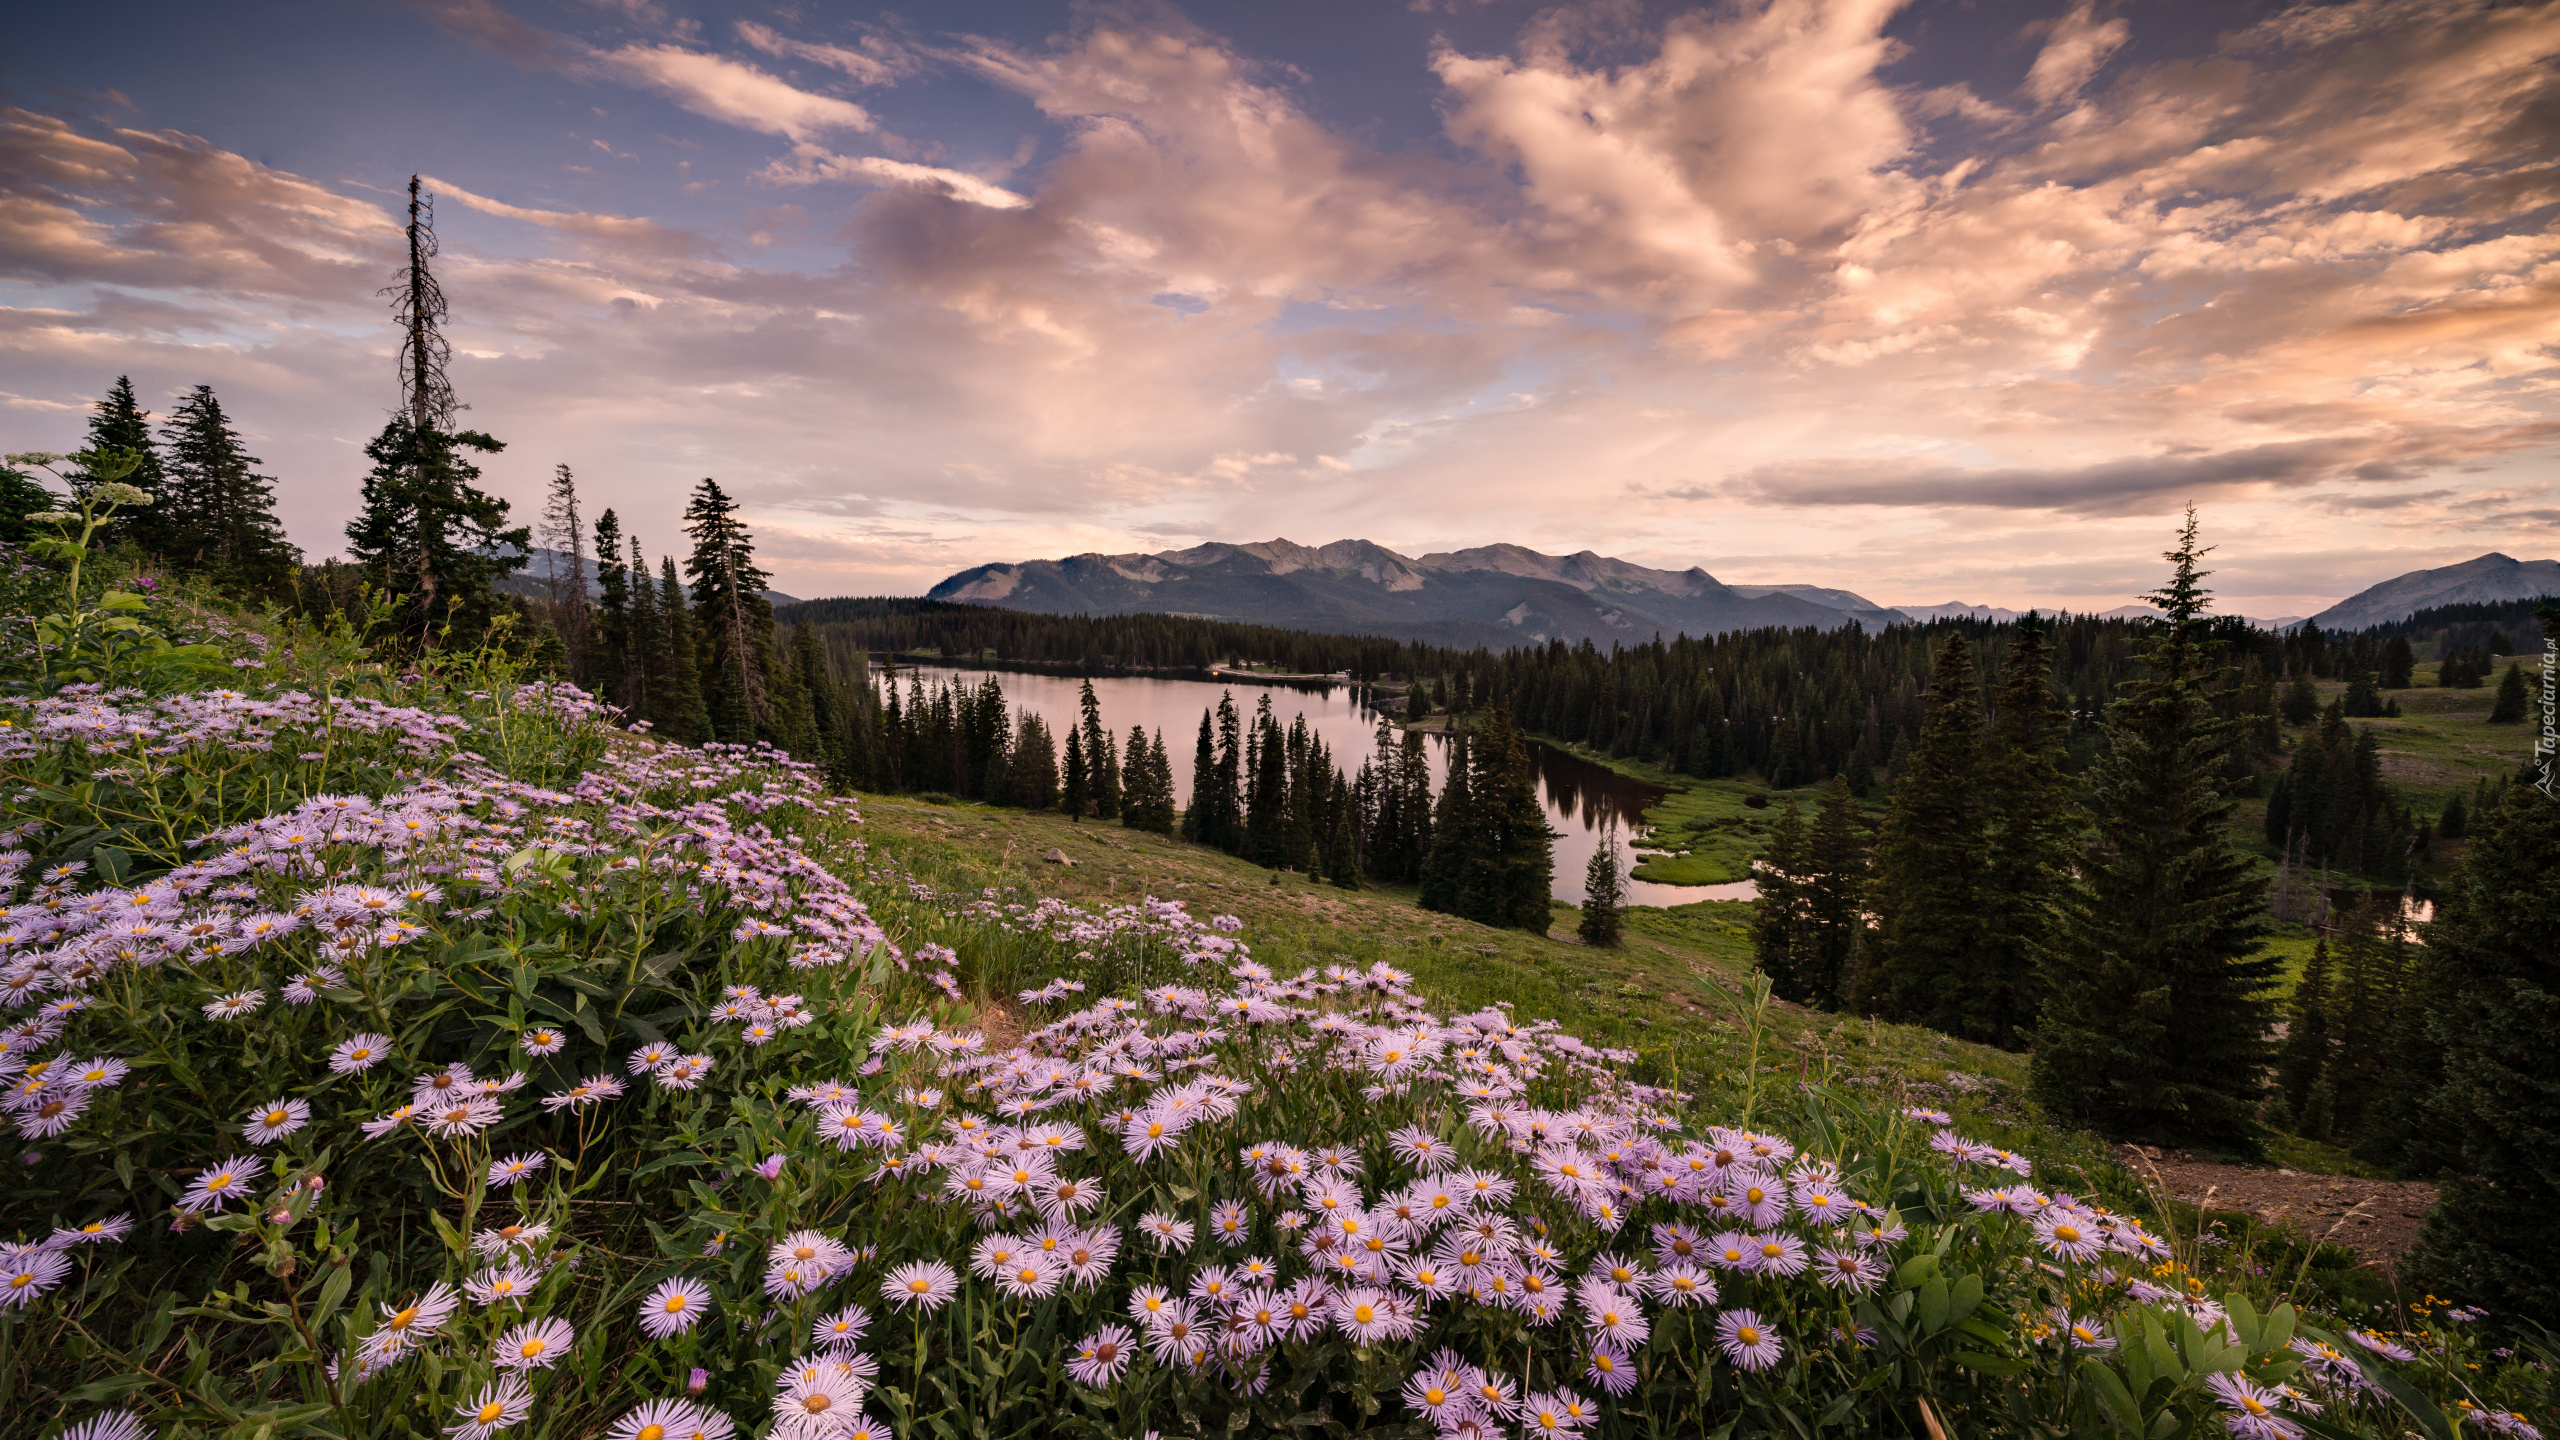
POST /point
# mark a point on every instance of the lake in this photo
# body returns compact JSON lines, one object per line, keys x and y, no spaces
{"x":1583,"y":800}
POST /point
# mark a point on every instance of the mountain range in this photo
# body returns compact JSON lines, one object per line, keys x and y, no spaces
{"x":2490,"y":578}
{"x":1503,"y":595}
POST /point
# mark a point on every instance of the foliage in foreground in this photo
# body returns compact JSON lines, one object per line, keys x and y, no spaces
{"x":462,"y":1067}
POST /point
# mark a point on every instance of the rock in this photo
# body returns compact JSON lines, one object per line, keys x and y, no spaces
{"x":1056,"y":856}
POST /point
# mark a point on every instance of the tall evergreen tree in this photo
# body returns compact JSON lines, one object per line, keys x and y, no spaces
{"x":1075,"y":794}
{"x":1782,"y":914}
{"x":1101,"y":763}
{"x":2304,"y":1056}
{"x":1033,"y":761}
{"x":1930,"y":963}
{"x":1204,"y":784}
{"x":2509,"y":707}
{"x":2399,"y":663}
{"x":120,"y":423}
{"x":609,"y":643}
{"x":647,"y":646}
{"x":2369,"y":998}
{"x":427,"y":532}
{"x":2301,"y":703}
{"x":1455,"y":837}
{"x":564,"y":574}
{"x":1147,"y":800}
{"x":2491,"y":1006}
{"x":220,"y":513}
{"x":676,"y":697}
{"x":2030,"y":822}
{"x":1603,"y":890}
{"x":733,"y":623}
{"x":1513,"y":878}
{"x":2157,"y":1011}
{"x":1835,"y":890}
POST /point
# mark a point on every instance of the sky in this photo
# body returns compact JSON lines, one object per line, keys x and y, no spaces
{"x":1938,"y":300}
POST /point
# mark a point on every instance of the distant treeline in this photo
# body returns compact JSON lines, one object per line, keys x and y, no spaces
{"x":1095,"y":644}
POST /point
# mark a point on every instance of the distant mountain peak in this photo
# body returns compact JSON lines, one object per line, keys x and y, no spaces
{"x":2483,"y":579}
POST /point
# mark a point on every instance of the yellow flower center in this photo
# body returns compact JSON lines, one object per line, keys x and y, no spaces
{"x":1363,"y":1313}
{"x":491,"y":1411}
{"x":651,"y":1432}
{"x":1748,"y":1334}
{"x":533,"y":1347}
{"x":403,"y":1320}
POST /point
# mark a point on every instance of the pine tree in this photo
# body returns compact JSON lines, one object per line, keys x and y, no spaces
{"x":2304,"y":1056}
{"x":1836,"y":877}
{"x":1512,"y":882}
{"x":2509,"y":707}
{"x":2399,"y":663}
{"x":1147,"y":802}
{"x":2452,"y":822}
{"x":1342,"y":852}
{"x":1204,"y":784}
{"x":647,"y":646}
{"x":1602,"y":892}
{"x":2490,"y":1007}
{"x":1075,"y":797}
{"x":733,"y":623}
{"x":1454,"y":835}
{"x":21,"y":495}
{"x":609,"y":643}
{"x":2301,"y":703}
{"x":2369,"y":998}
{"x":218,"y":514}
{"x":677,"y":694}
{"x":428,"y":533}
{"x":1102,"y":765}
{"x":1266,"y":799}
{"x":1782,"y":915}
{"x":2156,"y":1012}
{"x":565,"y":569}
{"x":122,"y":424}
{"x":1035,"y":764}
{"x":2029,"y":824}
{"x":1930,"y":962}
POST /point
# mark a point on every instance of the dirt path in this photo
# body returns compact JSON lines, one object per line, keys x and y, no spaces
{"x":2377,"y":1219}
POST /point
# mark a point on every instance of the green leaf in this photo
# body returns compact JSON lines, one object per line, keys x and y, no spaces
{"x":1989,"y":1364}
{"x":1933,"y":1305}
{"x":2112,"y":1398}
{"x":663,"y":1162}
{"x":113,"y":1388}
{"x":1966,"y":1295}
{"x":2430,"y":1417}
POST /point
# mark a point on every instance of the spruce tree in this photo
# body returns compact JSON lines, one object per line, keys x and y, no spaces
{"x":2304,"y":1056}
{"x":564,"y":574}
{"x":221,"y":512}
{"x":676,"y":697}
{"x":1454,"y":835}
{"x":1034,"y":762}
{"x":1781,"y":913}
{"x":2029,"y":825}
{"x":1930,"y":962}
{"x":608,"y":663}
{"x":1512,"y":883}
{"x":1102,"y":765}
{"x":2452,"y":822}
{"x":2399,"y":663}
{"x":1602,"y":892}
{"x":648,"y":640}
{"x":2509,"y":707}
{"x":1227,"y":824}
{"x":1146,"y":803}
{"x":1074,"y":795}
{"x":1342,"y":853}
{"x":2301,"y":703}
{"x":1204,"y":784}
{"x":733,"y":623}
{"x":122,"y":424}
{"x":2366,"y":1005}
{"x":2156,"y":1010}
{"x":429,"y":534}
{"x":1836,"y":876}
{"x":22,"y":495}
{"x":2490,"y":1007}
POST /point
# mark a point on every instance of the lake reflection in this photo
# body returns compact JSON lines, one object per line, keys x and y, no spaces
{"x":1583,"y":800}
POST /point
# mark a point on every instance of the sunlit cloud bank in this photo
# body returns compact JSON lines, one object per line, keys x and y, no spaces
{"x":1706,"y":288}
